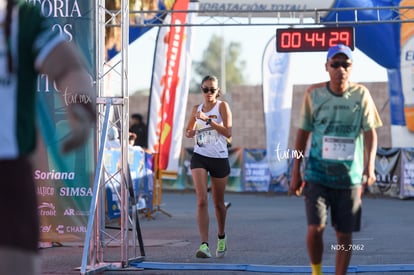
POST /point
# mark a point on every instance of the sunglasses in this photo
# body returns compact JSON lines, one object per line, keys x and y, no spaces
{"x":211,"y":90}
{"x":344,"y":65}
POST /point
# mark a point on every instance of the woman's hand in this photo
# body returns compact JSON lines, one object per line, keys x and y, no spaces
{"x":201,"y":115}
{"x":190,"y":133}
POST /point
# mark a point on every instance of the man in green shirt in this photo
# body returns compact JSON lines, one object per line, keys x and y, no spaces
{"x":339,"y":117}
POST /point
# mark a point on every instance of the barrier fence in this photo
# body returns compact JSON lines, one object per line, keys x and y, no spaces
{"x":249,"y":173}
{"x":394,"y":168}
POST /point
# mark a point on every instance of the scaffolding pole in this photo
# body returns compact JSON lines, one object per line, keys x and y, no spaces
{"x":97,"y":236}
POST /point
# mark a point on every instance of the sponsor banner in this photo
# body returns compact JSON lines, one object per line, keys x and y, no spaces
{"x":277,"y":105}
{"x":142,"y":179}
{"x":250,"y":172}
{"x":396,"y":103}
{"x":387,"y":171}
{"x":63,"y":182}
{"x":262,"y":7}
{"x":407,"y":173}
{"x":169,"y":87}
{"x":256,"y":172}
{"x":234,"y":184}
{"x":181,"y":96}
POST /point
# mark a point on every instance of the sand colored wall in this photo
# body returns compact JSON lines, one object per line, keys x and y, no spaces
{"x":246,"y":103}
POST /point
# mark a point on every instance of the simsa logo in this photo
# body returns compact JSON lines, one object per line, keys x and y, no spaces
{"x":75,"y":191}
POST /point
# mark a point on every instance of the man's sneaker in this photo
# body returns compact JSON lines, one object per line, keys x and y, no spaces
{"x":221,"y":247}
{"x":203,"y":251}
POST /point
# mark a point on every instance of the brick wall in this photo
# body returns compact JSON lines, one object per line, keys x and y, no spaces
{"x":246,"y":103}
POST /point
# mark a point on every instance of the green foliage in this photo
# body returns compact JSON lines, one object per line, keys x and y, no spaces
{"x":211,"y":64}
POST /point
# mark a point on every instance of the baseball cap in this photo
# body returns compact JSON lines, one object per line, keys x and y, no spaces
{"x":339,"y":48}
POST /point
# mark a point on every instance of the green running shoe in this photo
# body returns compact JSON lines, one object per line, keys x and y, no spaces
{"x":221,"y":247}
{"x":203,"y":251}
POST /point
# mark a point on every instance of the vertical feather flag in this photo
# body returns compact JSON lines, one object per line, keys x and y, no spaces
{"x":169,"y":86}
{"x":277,"y":103}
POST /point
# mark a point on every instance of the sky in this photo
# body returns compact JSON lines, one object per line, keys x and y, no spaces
{"x":308,"y":67}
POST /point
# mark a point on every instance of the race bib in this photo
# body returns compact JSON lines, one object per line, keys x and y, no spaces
{"x":338,"y":148}
{"x":206,"y":136}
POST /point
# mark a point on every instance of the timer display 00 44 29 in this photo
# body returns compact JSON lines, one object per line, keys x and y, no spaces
{"x":313,"y":39}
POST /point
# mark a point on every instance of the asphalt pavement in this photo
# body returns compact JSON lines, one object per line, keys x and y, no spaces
{"x":266,"y":235}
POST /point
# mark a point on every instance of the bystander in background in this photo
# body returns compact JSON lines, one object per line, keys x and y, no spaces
{"x":139,"y":128}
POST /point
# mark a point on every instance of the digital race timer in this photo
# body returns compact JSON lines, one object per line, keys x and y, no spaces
{"x":313,"y":39}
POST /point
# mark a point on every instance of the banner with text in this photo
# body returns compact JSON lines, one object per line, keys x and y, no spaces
{"x":262,"y":8}
{"x":63,"y":182}
{"x":142,"y":177}
{"x":407,"y":172}
{"x":387,"y":171}
{"x":256,"y":172}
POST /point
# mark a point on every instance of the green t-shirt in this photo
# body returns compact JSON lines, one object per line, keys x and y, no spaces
{"x":31,"y":40}
{"x":337,"y":123}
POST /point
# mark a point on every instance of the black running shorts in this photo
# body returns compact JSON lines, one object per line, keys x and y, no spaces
{"x":345,"y":205}
{"x":217,"y":167}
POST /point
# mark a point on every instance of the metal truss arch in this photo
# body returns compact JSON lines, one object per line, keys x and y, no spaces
{"x":275,"y":18}
{"x":93,"y":258}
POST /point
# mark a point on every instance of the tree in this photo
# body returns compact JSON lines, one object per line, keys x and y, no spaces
{"x":211,"y":64}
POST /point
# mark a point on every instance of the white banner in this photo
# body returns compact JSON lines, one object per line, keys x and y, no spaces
{"x":277,"y":104}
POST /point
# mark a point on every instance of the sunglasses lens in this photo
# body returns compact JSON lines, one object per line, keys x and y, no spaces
{"x":211,"y":90}
{"x":336,"y":65}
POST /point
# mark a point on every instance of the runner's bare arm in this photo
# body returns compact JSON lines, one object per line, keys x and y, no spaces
{"x":190,"y":131}
{"x":370,"y":147}
{"x":295,"y":186}
{"x":226,"y":128}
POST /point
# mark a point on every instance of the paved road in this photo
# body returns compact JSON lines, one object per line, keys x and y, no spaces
{"x":266,"y":234}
